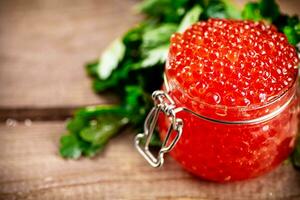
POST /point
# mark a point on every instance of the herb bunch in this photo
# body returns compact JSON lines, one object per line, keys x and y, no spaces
{"x":132,"y":67}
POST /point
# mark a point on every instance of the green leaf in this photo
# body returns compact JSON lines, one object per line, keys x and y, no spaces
{"x":70,"y":147}
{"x":110,"y":59}
{"x":291,"y":28}
{"x":164,"y":10}
{"x":137,"y":104}
{"x":83,"y":116}
{"x":264,"y":9}
{"x":155,"y":140}
{"x":232,"y":10}
{"x":158,"y":36}
{"x":190,"y":18}
{"x":114,"y":81}
{"x":119,"y":76}
{"x":269,"y":9}
{"x":292,"y":35}
{"x":100,"y":130}
{"x":251,"y":11}
{"x":90,"y":129}
{"x":155,"y":56}
{"x":216,"y":9}
{"x":296,"y":156}
{"x":133,"y":40}
{"x":219,"y":9}
{"x":133,"y":37}
{"x":91,"y":68}
{"x":91,"y":150}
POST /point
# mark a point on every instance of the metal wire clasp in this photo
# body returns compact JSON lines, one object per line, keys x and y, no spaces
{"x":163,"y":103}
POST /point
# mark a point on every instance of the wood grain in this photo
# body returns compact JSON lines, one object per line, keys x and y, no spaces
{"x":30,"y":168}
{"x":37,"y":113}
{"x":45,"y":44}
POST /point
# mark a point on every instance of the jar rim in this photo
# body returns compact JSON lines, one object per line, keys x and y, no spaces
{"x":248,"y":107}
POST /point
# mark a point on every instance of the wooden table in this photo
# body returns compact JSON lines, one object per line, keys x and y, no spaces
{"x":43,"y":47}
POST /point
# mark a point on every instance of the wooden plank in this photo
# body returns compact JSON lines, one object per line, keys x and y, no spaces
{"x":45,"y":44}
{"x":30,"y":168}
{"x":36,"y":114}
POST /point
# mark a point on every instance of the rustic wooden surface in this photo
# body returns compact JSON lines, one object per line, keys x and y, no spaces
{"x":43,"y":47}
{"x":32,"y":169}
{"x":45,"y":44}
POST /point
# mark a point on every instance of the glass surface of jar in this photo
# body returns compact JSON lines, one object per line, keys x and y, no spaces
{"x":241,"y":144}
{"x":229,"y":106}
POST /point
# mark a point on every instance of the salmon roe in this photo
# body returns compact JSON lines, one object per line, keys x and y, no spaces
{"x":232,"y":70}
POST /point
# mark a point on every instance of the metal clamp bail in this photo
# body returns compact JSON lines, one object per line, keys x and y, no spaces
{"x":163,"y":103}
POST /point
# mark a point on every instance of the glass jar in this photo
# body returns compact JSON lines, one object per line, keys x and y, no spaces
{"x":228,"y":110}
{"x":221,"y":143}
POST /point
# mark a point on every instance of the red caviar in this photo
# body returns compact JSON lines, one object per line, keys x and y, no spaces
{"x":232,"y":70}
